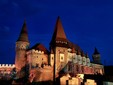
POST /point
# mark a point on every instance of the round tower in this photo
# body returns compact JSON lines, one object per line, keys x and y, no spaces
{"x":22,"y":44}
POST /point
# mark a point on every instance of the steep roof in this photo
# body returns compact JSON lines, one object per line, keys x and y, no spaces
{"x":40,"y":47}
{"x":82,"y":54}
{"x":59,"y":34}
{"x":23,"y":34}
{"x":87,"y":55}
{"x":96,"y":51}
{"x":75,"y":47}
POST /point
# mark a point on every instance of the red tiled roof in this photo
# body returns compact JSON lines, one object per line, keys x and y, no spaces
{"x":59,"y":34}
{"x":40,"y":47}
{"x":75,"y":47}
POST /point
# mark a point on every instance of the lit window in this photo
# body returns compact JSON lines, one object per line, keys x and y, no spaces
{"x":52,"y":58}
{"x":61,"y":57}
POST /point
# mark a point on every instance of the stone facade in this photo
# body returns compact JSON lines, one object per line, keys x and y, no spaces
{"x":66,"y":56}
{"x":90,"y":82}
{"x":37,"y":58}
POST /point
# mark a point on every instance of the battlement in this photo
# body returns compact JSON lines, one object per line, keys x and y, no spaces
{"x":33,"y":51}
{"x":37,"y":51}
{"x":7,"y":65}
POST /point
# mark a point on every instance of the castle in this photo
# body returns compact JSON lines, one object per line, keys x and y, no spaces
{"x":63,"y":55}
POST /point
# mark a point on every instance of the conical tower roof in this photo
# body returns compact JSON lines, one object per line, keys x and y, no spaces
{"x":59,"y":34}
{"x":23,"y":34}
{"x":96,"y":51}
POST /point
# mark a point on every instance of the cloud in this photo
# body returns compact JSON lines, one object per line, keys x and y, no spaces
{"x":4,"y":29}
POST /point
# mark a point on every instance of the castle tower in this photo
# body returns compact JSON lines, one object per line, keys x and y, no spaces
{"x":22,"y":44}
{"x":83,"y":58}
{"x":87,"y":60}
{"x":96,"y":57}
{"x":59,"y":46}
{"x":79,"y":57}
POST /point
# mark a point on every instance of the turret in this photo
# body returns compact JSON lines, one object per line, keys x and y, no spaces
{"x":79,"y":57}
{"x":74,"y":59}
{"x":83,"y":58}
{"x":22,"y":44}
{"x":87,"y":60}
{"x":96,"y":57}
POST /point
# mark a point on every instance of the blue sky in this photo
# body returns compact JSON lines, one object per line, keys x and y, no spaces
{"x":88,"y":23}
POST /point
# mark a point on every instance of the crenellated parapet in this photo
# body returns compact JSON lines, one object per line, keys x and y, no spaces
{"x":5,"y":69}
{"x":33,"y":51}
{"x":7,"y":65}
{"x":37,"y":57}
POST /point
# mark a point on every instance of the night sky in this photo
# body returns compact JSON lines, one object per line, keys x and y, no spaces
{"x":88,"y":23}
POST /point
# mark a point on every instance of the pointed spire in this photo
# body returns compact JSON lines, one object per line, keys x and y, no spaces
{"x":96,"y":51}
{"x":87,"y":55}
{"x":73,"y":50}
{"x":82,"y":53}
{"x":59,"y":33}
{"x":23,"y":34}
{"x":78,"y":52}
